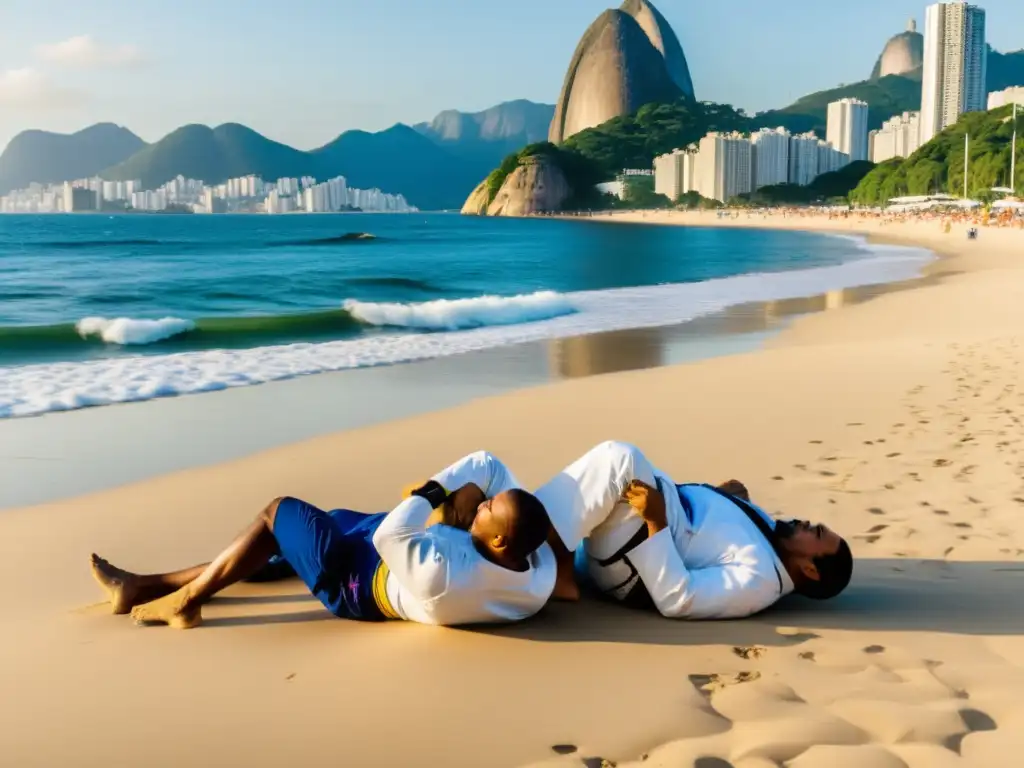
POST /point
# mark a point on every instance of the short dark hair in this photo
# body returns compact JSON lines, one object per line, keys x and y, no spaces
{"x":834,"y":572}
{"x":530,"y":524}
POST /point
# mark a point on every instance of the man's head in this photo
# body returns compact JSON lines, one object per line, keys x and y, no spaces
{"x":510,"y":527}
{"x":817,"y":558}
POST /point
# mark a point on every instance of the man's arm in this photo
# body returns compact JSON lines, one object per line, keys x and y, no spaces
{"x":414,"y":555}
{"x":417,"y":557}
{"x":730,"y":591}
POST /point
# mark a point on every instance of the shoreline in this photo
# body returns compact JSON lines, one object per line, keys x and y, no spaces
{"x":54,"y":458}
{"x":895,"y":421}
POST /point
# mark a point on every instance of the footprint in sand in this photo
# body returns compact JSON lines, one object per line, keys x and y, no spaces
{"x":974,"y":720}
{"x":564,"y":749}
{"x":709,"y":684}
{"x":941,"y":463}
{"x":878,"y":528}
{"x":778,"y":477}
{"x":815,"y":442}
{"x":868,"y":539}
{"x":826,"y":473}
{"x":876,"y":511}
{"x":873,"y":649}
{"x":807,"y":656}
{"x":795,"y":634}
{"x":750,"y":651}
{"x":940,"y":512}
{"x":892,"y":455}
{"x":962,"y":525}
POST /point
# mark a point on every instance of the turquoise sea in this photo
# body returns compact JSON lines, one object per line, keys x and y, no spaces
{"x":99,"y":309}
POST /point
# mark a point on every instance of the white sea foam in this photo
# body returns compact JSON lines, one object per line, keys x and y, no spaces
{"x":460,"y":314}
{"x":35,"y":389}
{"x":126,"y":330}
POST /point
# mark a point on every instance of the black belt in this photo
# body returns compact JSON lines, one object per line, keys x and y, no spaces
{"x":637,"y":597}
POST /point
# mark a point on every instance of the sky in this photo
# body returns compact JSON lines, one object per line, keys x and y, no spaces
{"x":303,"y":71}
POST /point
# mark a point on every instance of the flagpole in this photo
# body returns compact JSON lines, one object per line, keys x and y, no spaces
{"x":1013,"y":154}
{"x":967,"y":143}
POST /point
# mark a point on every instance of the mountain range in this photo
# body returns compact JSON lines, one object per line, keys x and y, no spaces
{"x":435,"y":165}
{"x":432,"y":164}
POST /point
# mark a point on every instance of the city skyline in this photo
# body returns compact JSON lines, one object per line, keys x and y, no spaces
{"x":154,"y":69}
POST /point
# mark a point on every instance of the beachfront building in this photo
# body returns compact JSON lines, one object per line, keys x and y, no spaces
{"x":848,"y":127}
{"x":674,"y":172}
{"x":955,"y":65}
{"x":1014,"y":95}
{"x":724,"y":166}
{"x":771,"y":157}
{"x":899,"y":136}
{"x":803,"y":158}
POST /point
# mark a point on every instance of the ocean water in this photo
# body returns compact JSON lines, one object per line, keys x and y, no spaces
{"x":99,"y":309}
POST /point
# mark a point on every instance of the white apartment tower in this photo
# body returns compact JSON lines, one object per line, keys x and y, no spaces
{"x":724,"y":166}
{"x":848,"y":128}
{"x":674,"y":173}
{"x":803,"y":159}
{"x":955,"y":65}
{"x":899,"y":136}
{"x":771,"y":157}
{"x":1012,"y":95}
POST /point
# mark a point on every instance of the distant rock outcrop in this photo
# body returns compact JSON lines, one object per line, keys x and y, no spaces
{"x":627,"y":58}
{"x":902,"y":55}
{"x":536,"y":186}
{"x":478,"y":200}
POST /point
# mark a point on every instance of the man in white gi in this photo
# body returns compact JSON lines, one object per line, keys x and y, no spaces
{"x":690,"y":551}
{"x":489,"y":561}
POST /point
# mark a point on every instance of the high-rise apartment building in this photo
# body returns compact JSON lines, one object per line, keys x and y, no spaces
{"x":899,"y":136}
{"x":1013,"y":95}
{"x":955,"y":65}
{"x":674,"y":173}
{"x":847,"y":128}
{"x":803,"y":159}
{"x":771,"y":157}
{"x":724,"y":166}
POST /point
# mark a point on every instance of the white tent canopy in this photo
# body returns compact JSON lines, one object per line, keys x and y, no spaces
{"x":1013,"y":205}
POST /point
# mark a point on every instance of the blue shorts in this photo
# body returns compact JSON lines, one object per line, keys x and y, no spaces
{"x":333,"y":554}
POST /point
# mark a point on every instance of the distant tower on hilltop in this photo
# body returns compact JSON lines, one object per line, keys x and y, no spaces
{"x":902,"y":55}
{"x":955,"y":65}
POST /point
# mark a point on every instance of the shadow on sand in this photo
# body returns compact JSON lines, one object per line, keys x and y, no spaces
{"x":986,"y":598}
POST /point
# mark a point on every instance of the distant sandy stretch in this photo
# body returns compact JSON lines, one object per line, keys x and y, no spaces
{"x":896,"y":421}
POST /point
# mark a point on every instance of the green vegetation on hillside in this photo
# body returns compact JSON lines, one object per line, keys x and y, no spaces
{"x":633,"y":141}
{"x":888,"y":96}
{"x":938,"y":166}
{"x":834,"y":187}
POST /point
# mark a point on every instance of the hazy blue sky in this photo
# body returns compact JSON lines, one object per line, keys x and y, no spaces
{"x":305,"y":70}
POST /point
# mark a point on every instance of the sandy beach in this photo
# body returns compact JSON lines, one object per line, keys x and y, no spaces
{"x":896,"y":421}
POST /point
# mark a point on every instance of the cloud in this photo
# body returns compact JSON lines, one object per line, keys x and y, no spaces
{"x":31,"y":89}
{"x":85,"y":52}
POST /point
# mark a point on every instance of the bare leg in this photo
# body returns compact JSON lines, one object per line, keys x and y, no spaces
{"x":126,"y":589}
{"x":247,"y":554}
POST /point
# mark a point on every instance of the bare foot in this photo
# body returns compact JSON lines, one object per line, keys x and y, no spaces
{"x":122,"y":587}
{"x":171,"y":610}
